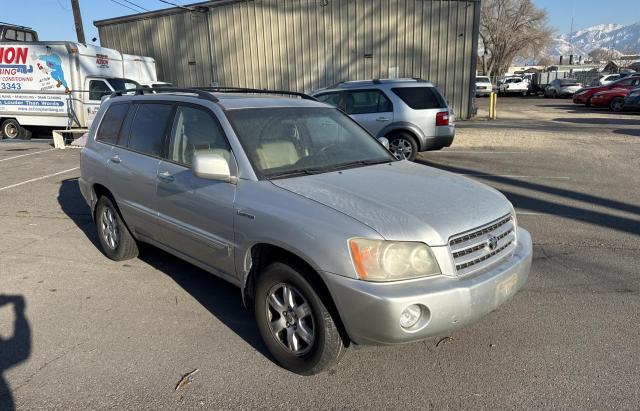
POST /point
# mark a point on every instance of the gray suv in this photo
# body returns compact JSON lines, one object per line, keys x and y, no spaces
{"x":329,"y":237}
{"x":411,"y":113}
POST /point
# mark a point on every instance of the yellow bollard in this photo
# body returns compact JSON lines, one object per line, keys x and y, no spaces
{"x":493,"y":103}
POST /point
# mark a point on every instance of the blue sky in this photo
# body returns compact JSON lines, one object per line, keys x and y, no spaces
{"x":53,"y":19}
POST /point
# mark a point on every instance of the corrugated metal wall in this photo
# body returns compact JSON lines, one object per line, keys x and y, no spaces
{"x":303,"y":45}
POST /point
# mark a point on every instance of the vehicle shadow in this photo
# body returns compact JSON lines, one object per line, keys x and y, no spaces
{"x":603,"y":219}
{"x":222,"y":299}
{"x":600,"y":120}
{"x":633,"y":132}
{"x":15,"y":349}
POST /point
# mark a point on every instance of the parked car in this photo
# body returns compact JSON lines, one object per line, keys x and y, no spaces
{"x":583,"y":96}
{"x":330,"y":238}
{"x":632,"y":100}
{"x":412,"y":114}
{"x":512,"y":85}
{"x":609,"y":78}
{"x":565,"y":87}
{"x":483,"y":86}
{"x":612,"y":99}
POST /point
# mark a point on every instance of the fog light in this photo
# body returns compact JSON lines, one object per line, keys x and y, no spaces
{"x":410,"y":316}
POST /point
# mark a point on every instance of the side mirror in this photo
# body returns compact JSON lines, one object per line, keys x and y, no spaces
{"x":212,"y":166}
{"x":384,"y":141}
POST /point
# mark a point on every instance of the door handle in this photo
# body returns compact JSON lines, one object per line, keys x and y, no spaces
{"x":116,"y":159}
{"x":383,"y":119}
{"x":165,"y":175}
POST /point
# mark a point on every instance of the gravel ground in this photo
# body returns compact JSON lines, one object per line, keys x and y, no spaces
{"x":78,"y":331}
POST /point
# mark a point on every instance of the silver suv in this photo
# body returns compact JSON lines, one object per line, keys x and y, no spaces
{"x":410,"y":113}
{"x":330,"y":239}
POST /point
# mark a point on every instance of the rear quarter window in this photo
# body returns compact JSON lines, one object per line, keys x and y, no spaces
{"x":111,"y":123}
{"x":420,"y":98}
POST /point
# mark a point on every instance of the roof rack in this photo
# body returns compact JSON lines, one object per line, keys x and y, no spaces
{"x":2,"y":23}
{"x":201,"y":93}
{"x":223,"y":89}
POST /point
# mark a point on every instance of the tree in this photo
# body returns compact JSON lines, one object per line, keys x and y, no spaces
{"x":512,"y":28}
{"x":602,"y":54}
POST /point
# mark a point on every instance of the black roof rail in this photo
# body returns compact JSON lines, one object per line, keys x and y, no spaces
{"x":224,"y":89}
{"x":142,"y":91}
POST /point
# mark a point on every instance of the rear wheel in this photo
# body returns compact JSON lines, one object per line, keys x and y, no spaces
{"x":12,"y":129}
{"x":616,"y":104}
{"x":403,"y":146}
{"x":117,"y":242}
{"x":294,"y":322}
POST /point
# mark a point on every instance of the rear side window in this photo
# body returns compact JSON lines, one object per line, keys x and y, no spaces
{"x":420,"y":98}
{"x":148,"y":128}
{"x":111,"y":123}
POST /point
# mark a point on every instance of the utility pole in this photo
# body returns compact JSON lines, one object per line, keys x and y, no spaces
{"x":78,"y":21}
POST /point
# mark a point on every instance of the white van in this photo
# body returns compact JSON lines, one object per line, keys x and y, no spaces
{"x":60,"y":84}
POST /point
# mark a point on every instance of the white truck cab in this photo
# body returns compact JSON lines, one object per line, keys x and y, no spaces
{"x":61,"y":84}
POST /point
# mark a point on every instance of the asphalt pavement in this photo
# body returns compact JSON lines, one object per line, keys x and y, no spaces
{"x":79,"y":331}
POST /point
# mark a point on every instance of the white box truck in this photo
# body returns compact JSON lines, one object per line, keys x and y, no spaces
{"x":60,"y":84}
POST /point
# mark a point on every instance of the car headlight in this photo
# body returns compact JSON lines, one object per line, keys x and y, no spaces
{"x":379,"y":260}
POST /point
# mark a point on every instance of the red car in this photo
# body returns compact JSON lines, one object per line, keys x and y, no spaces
{"x":584,"y":96}
{"x":613,"y":99}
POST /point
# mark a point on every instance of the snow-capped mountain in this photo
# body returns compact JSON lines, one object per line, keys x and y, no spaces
{"x":625,"y":39}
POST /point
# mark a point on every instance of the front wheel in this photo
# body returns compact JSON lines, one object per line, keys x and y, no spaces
{"x":403,"y":146}
{"x":12,"y":129}
{"x":616,"y":104}
{"x":294,"y":322}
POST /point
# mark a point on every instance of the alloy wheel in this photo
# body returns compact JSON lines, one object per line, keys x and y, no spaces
{"x":109,"y":228}
{"x":290,"y":319}
{"x":401,"y":148}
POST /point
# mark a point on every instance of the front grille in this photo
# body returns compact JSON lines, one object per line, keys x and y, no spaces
{"x":483,"y":246}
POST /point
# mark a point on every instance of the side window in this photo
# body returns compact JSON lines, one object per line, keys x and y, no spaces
{"x":29,"y":36}
{"x":10,"y":34}
{"x":111,"y":123}
{"x":421,"y":98}
{"x":20,"y":35}
{"x":367,"y":101}
{"x":195,"y":130}
{"x":330,"y":98}
{"x":148,"y":128}
{"x":97,"y":89}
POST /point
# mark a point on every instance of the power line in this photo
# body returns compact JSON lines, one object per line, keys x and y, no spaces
{"x":124,"y":5}
{"x":174,"y":4}
{"x":134,"y":4}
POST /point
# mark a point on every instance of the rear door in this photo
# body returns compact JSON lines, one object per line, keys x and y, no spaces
{"x":196,"y":214}
{"x":372,"y":109}
{"x":133,"y":166}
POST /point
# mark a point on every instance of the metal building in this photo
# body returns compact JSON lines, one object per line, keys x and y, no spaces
{"x":303,"y":45}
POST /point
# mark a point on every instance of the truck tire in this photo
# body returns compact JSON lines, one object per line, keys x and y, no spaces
{"x":12,"y":129}
{"x":294,"y":321}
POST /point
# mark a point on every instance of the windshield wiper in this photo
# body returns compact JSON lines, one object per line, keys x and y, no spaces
{"x":296,"y":173}
{"x":355,"y":164}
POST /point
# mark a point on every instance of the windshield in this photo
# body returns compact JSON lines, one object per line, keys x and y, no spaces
{"x":568,"y":81}
{"x":122,"y":84}
{"x":482,"y":79}
{"x":292,"y":141}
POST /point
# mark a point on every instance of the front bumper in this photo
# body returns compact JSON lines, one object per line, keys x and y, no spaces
{"x":580,"y":99}
{"x":632,"y":104}
{"x":371,"y":311}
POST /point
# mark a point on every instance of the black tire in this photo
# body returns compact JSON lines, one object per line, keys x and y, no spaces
{"x":399,"y":142}
{"x":125,"y":246}
{"x":327,"y":346}
{"x":616,"y":104}
{"x":12,"y":129}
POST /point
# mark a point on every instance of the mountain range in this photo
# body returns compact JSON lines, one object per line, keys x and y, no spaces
{"x":623,"y":39}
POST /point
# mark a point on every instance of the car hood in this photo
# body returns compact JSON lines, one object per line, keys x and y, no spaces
{"x":404,"y":200}
{"x":613,"y":91}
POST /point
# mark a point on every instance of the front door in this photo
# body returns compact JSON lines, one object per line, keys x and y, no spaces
{"x":372,"y":109}
{"x":133,"y":167}
{"x":95,"y":89}
{"x":196,"y":214}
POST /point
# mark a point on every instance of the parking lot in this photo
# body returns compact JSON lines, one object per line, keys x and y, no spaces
{"x":95,"y":333}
